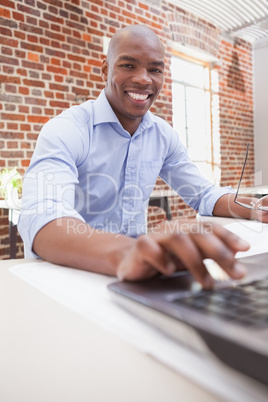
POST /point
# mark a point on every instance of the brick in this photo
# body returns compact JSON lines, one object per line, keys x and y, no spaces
{"x":8,"y":23}
{"x":43,"y":24}
{"x":76,"y":58}
{"x":5,"y":31}
{"x":57,"y":70}
{"x":11,"y":99}
{"x":18,"y":16}
{"x":59,"y":104}
{"x":12,"y":154}
{"x":33,"y":56}
{"x":5,"y":13}
{"x":32,"y":137}
{"x":37,"y":119}
{"x":10,"y":79}
{"x":8,"y":3}
{"x":10,"y":88}
{"x":25,"y":145}
{"x":32,"y":47}
{"x":5,"y":116}
{"x":49,"y":94}
{"x":53,"y":18}
{"x":32,"y":65}
{"x":22,"y":71}
{"x":31,"y":29}
{"x":25,"y":127}
{"x":58,"y":78}
{"x":23,"y":109}
{"x":144,"y":6}
{"x":73,"y":9}
{"x":56,"y":62}
{"x":12,"y":144}
{"x":25,"y":162}
{"x":33,"y":83}
{"x":55,"y":53}
{"x":31,"y":20}
{"x":7,"y":51}
{"x":20,"y":54}
{"x":28,"y":10}
{"x":19,"y":35}
{"x":8,"y":42}
{"x":76,"y":42}
{"x":13,"y":135}
{"x":86,"y":37}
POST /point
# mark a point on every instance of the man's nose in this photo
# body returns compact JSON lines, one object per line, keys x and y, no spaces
{"x":142,"y":76}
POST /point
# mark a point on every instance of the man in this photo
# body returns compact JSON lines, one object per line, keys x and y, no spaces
{"x":87,"y":188}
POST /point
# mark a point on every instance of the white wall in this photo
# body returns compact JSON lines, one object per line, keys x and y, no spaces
{"x":260,"y":58}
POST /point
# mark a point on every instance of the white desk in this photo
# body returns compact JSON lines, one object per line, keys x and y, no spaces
{"x":50,"y":353}
{"x":258,"y":191}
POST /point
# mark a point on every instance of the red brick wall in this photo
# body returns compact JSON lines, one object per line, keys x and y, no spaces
{"x":236,"y":111}
{"x":50,"y":59}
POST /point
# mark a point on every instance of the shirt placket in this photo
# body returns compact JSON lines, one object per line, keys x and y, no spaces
{"x":130,"y":196}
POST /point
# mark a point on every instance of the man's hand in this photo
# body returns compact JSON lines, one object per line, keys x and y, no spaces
{"x":183,"y":244}
{"x":261,"y":215}
{"x":225,"y":206}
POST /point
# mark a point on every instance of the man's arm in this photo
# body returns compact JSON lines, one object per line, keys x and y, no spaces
{"x":71,"y":242}
{"x":174,"y":245}
{"x":225,"y":206}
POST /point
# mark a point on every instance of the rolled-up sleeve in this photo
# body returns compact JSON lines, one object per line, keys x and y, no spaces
{"x":49,"y":185}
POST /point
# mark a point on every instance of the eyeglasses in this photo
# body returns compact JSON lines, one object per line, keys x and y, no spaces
{"x":251,"y":205}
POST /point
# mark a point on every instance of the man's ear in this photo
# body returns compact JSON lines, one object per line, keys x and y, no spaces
{"x":104,"y":70}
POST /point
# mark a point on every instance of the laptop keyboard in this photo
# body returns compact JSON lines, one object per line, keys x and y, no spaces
{"x":246,"y":304}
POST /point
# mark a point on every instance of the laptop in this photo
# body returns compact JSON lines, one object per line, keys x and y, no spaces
{"x":230,"y":321}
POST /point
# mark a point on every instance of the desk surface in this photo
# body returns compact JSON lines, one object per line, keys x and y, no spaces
{"x":50,"y":353}
{"x":254,"y":191}
{"x":10,"y":204}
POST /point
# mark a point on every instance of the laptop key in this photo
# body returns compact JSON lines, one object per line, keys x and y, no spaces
{"x":237,"y":303}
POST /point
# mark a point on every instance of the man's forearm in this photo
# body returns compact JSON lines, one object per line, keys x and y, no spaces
{"x":71,"y":242}
{"x":225,"y":206}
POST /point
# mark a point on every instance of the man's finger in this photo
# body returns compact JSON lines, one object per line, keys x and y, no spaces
{"x":184,"y":248}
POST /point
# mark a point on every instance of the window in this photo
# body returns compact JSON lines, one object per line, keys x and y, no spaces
{"x":196,"y":113}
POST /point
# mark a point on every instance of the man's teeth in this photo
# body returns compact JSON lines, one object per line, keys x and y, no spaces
{"x":135,"y":96}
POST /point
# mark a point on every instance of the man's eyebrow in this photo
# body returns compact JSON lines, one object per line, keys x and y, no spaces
{"x":127,"y":58}
{"x":157,"y":63}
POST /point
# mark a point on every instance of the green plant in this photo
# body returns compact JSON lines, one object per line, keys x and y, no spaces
{"x":10,"y":178}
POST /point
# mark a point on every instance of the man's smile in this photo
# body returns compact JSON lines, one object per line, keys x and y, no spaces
{"x":137,"y":96}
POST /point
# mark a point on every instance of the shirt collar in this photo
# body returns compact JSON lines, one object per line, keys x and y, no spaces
{"x":103,"y":113}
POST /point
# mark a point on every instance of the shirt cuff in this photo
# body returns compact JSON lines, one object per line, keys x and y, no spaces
{"x":208,"y":202}
{"x":30,"y":223}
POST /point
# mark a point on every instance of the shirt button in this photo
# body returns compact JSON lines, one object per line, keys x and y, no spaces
{"x":124,"y":229}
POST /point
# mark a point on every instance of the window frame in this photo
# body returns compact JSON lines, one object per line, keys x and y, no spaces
{"x":209,"y":66}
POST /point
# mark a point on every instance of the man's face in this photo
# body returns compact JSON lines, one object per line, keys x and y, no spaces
{"x":134,"y":76}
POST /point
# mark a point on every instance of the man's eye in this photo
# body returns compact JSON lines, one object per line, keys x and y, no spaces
{"x":127,"y":66}
{"x":156,"y":70}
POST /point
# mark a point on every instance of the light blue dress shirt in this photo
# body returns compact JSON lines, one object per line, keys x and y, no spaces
{"x":85,"y":165}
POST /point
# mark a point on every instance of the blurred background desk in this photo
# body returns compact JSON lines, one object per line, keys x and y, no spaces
{"x":13,"y":216}
{"x":159,"y":198}
{"x":258,"y":191}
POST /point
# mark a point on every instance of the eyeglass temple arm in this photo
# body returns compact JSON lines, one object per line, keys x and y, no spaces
{"x":245,"y":161}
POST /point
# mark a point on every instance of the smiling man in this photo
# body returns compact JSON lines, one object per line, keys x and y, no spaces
{"x":134,"y":74}
{"x":87,"y":189}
